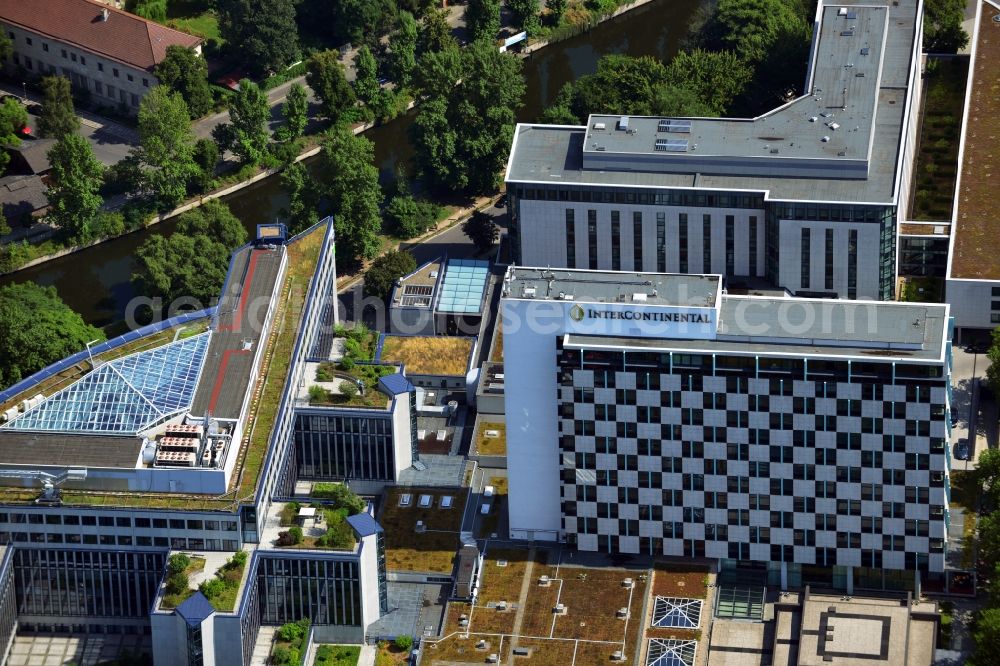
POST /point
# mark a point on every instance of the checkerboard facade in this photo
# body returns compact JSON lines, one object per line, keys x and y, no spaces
{"x":764,"y":458}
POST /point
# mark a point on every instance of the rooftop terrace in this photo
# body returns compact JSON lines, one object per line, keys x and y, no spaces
{"x":976,"y":250}
{"x":856,"y":97}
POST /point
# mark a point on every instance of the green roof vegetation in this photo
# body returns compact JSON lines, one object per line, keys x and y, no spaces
{"x":223,"y":590}
{"x":180,"y":568}
{"x":487,"y":445}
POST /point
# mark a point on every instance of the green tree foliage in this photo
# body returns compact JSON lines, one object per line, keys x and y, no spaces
{"x":342,"y":496}
{"x":403,"y":49}
{"x":556,"y":8}
{"x":364,"y":21}
{"x":669,"y":100}
{"x":178,"y":563}
{"x":943,"y":31}
{"x":13,"y":117}
{"x":325,"y":75}
{"x":366,"y":84}
{"x":194,"y":260}
{"x":439,"y":73}
{"x":715,"y":78}
{"x":755,"y":29}
{"x":303,"y":199}
{"x":350,"y":181}
{"x":246,"y":135}
{"x":206,"y":156}
{"x":154,"y":10}
{"x":993,"y":354}
{"x":262,"y":32}
{"x":482,"y":18}
{"x":4,"y":225}
{"x":404,"y":642}
{"x":435,"y":32}
{"x":525,"y":14}
{"x":987,"y":637}
{"x":165,"y":155}
{"x":74,"y":191}
{"x":186,"y":72}
{"x":295,"y":112}
{"x":409,"y":217}
{"x":36,"y":329}
{"x":6,"y":46}
{"x":462,"y":132}
{"x":57,"y":118}
{"x":481,"y":230}
{"x":988,"y":473}
{"x":384,"y":271}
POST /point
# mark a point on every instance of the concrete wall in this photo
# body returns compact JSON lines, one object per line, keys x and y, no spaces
{"x":169,"y":639}
{"x":971,"y":302}
{"x":402,"y":434}
{"x":868,"y":256}
{"x":227,"y":640}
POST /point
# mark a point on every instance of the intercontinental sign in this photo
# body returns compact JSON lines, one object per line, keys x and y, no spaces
{"x":578,"y":313}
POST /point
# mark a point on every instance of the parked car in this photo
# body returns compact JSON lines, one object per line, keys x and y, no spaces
{"x":962,"y":449}
{"x":488,"y":491}
{"x":485,"y":508}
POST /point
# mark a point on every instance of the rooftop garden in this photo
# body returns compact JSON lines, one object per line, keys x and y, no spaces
{"x":497,"y":355}
{"x":489,"y":444}
{"x":437,"y":355}
{"x":180,"y":568}
{"x":291,"y":642}
{"x":221,"y":591}
{"x":329,"y":529}
{"x":337,"y":655}
{"x":353,"y":380}
{"x":433,"y":548}
{"x":937,"y":153}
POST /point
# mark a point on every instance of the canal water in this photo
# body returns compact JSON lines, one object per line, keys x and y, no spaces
{"x":97,"y":282}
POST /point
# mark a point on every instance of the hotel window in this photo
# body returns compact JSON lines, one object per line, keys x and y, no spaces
{"x":682,"y":242}
{"x":804,"y":268}
{"x":829,"y":260}
{"x":706,"y":241}
{"x":616,"y":246}
{"x":570,"y":239}
{"x":852,"y":264}
{"x":98,"y":88}
{"x":64,"y":54}
{"x":637,"y":241}
{"x":114,"y":71}
{"x":753,"y":245}
{"x":730,"y":245}
{"x":592,"y":238}
{"x":72,"y":56}
{"x":661,"y":242}
{"x":130,"y":78}
{"x":83,"y":61}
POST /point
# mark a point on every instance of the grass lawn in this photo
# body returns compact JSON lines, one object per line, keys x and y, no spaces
{"x":433,"y":550}
{"x":390,"y":655}
{"x":491,"y":446}
{"x":440,"y":355}
{"x":921,"y":290}
{"x":195,"y":17}
{"x":671,"y":580}
{"x":337,"y":655}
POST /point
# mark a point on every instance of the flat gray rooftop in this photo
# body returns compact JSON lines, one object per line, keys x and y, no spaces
{"x":39,"y":449}
{"x":610,"y":286}
{"x":731,"y":155}
{"x":807,"y":327}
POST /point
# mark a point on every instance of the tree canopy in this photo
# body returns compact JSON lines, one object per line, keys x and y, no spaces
{"x":166,"y":147}
{"x":74,"y":191}
{"x":264,"y":31}
{"x":325,"y":75}
{"x":435,"y":32}
{"x":464,"y":128}
{"x":57,"y":118}
{"x":36,"y":329}
{"x":403,"y":49}
{"x":246,"y":135}
{"x":482,"y":18}
{"x":194,"y":260}
{"x":349,"y":179}
{"x":385,"y":270}
{"x":943,"y":31}
{"x":303,"y":199}
{"x":186,"y":72}
{"x":525,"y":13}
{"x":13,"y":116}
{"x":296,"y":112}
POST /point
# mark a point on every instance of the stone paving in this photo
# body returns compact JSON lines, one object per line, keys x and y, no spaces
{"x":83,"y":650}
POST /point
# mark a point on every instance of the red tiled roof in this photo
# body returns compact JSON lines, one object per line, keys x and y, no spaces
{"x":124,"y":37}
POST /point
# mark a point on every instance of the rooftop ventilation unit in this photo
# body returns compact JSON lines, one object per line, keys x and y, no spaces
{"x":825,"y":139}
{"x":671,"y":145}
{"x":599,"y":126}
{"x":675,"y":126}
{"x":842,"y":11}
{"x":623,"y":123}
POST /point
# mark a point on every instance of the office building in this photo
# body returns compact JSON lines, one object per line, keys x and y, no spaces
{"x":656,"y":414}
{"x":806,"y":197}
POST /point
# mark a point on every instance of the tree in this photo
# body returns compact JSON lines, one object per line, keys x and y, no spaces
{"x":303,"y":199}
{"x":166,"y":147}
{"x":350,"y":182}
{"x":186,"y":72}
{"x":715,"y":77}
{"x":463,"y":130}
{"x":439,"y":72}
{"x":403,"y":49}
{"x":753,"y":28}
{"x":74,"y":191}
{"x":435,"y":32}
{"x":384,"y":271}
{"x":525,"y":14}
{"x":987,"y":637}
{"x":556,"y":8}
{"x":943,"y":31}
{"x":988,"y":474}
{"x":13,"y":118}
{"x":36,"y":329}
{"x":481,"y":230}
{"x":325,"y":75}
{"x":296,"y":112}
{"x":4,"y":226}
{"x":206,"y":156}
{"x":482,"y":18}
{"x":263,"y":32}
{"x":57,"y":118}
{"x":194,"y":260}
{"x":678,"y":101}
{"x":993,"y":354}
{"x":366,"y":85}
{"x":247,"y":134}
{"x":364,"y":21}
{"x":348,"y":389}
{"x":409,"y":217}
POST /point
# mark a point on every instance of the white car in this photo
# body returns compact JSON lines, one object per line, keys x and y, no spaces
{"x":488,"y":491}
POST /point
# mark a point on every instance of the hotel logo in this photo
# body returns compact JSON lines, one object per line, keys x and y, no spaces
{"x":576,"y":313}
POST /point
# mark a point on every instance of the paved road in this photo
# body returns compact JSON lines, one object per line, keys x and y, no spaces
{"x":969,"y":412}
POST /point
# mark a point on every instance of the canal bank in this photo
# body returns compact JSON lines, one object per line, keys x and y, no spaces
{"x":96,"y":281}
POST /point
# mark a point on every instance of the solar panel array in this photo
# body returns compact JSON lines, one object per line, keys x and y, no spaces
{"x":673,"y":125}
{"x":124,"y":396}
{"x":677,"y":613}
{"x":672,"y":145}
{"x":463,"y":286}
{"x":670,"y":652}
{"x":417,"y":295}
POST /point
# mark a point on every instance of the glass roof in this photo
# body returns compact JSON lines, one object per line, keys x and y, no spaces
{"x":463,"y":286}
{"x":670,"y":652}
{"x":672,"y":612}
{"x":126,"y":395}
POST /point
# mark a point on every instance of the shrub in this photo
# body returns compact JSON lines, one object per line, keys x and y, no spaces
{"x":239,"y":559}
{"x":404,"y":642}
{"x":296,"y":534}
{"x":212,"y":588}
{"x":317,"y":393}
{"x":324,"y":372}
{"x":409,"y":217}
{"x":178,"y":563}
{"x":348,"y":389}
{"x":285,"y":539}
{"x":293,"y":632}
{"x":352,"y":347}
{"x":342,"y":496}
{"x":347,"y":364}
{"x":177,"y":583}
